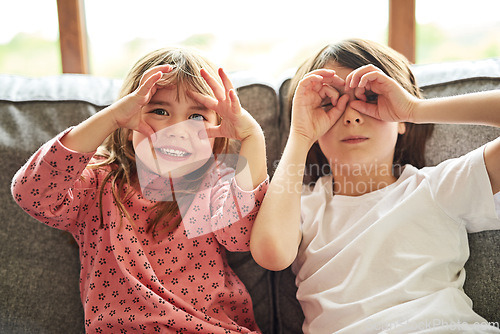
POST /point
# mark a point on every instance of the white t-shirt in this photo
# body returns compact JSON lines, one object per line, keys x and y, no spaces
{"x":392,"y":260}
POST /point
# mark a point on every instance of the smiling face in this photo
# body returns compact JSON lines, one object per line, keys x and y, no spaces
{"x":358,"y":139}
{"x":180,"y":145}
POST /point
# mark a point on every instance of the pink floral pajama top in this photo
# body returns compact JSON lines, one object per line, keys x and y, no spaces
{"x":131,"y":282}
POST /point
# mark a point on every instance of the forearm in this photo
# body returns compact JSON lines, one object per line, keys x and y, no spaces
{"x":45,"y":187}
{"x":253,"y":160}
{"x":90,"y":134}
{"x":276,"y":232}
{"x":475,"y":108}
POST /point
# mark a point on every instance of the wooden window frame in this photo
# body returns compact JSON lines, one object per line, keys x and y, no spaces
{"x":73,"y":36}
{"x":73,"y":33}
{"x":402,"y":27}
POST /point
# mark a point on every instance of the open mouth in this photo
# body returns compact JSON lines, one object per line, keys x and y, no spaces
{"x":173,"y":153}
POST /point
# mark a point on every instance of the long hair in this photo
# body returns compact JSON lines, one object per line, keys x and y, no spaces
{"x":354,"y":53}
{"x":117,"y":151}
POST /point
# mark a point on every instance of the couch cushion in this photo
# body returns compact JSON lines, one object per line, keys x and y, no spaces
{"x":67,"y":87}
{"x":39,"y":275}
{"x":447,"y":72}
{"x":260,"y":99}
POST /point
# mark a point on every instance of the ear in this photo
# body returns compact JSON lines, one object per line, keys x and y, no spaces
{"x":401,"y":128}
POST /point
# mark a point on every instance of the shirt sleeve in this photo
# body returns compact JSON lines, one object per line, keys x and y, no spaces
{"x":234,"y":211}
{"x":53,"y":186}
{"x":462,"y":188}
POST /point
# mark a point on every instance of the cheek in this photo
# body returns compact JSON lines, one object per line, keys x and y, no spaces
{"x":204,"y":148}
{"x":390,"y":131}
{"x":329,"y":147}
{"x":136,"y":138}
{"x":141,"y":146}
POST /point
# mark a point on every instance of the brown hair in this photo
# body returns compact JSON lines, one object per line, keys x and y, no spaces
{"x":117,"y":150}
{"x":354,"y":53}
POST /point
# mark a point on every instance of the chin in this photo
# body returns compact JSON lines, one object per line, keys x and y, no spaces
{"x":176,"y":172}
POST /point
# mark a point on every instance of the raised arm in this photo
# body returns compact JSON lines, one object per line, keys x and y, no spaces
{"x":237,"y":123}
{"x":476,"y":108}
{"x":395,"y":104}
{"x":90,"y":134}
{"x":276,"y":233}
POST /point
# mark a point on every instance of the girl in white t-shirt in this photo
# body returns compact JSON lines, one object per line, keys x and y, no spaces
{"x":378,"y":242}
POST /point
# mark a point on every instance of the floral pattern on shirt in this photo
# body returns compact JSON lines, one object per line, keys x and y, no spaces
{"x":131,"y":281}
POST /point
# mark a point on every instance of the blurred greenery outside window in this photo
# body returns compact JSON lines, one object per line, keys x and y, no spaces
{"x":261,"y":36}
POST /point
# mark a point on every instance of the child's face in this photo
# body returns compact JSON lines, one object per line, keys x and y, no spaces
{"x":357,"y":138}
{"x":180,"y":145}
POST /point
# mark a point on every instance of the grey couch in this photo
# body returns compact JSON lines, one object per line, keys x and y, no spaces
{"x":39,"y":267}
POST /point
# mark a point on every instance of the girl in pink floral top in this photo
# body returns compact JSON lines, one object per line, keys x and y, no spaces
{"x":153,"y":211}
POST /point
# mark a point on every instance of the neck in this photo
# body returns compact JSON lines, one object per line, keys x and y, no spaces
{"x":360,"y":179}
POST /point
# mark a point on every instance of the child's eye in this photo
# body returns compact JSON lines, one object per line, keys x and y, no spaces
{"x":197,"y":117}
{"x":326,"y":104}
{"x":371,"y":97}
{"x":161,"y":112}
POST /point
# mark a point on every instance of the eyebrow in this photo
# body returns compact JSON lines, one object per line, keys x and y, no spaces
{"x":194,"y":106}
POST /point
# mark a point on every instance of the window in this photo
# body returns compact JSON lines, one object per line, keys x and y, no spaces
{"x":258,"y":35}
{"x":263,"y":36}
{"x":29,"y":38}
{"x":449,"y":30}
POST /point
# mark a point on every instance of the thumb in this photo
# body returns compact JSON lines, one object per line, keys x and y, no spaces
{"x":210,"y":132}
{"x":147,"y":130}
{"x":337,"y":111}
{"x":363,"y":107}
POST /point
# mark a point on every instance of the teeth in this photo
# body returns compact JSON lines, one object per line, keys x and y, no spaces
{"x":172,"y":152}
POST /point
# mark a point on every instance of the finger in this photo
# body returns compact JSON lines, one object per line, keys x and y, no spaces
{"x":146,"y":130}
{"x":329,"y":91}
{"x":235,"y":102}
{"x":217,"y":89}
{"x":348,"y":80}
{"x":155,"y":69}
{"x":228,"y":85}
{"x":327,"y":77}
{"x":146,"y":87}
{"x":337,"y":111}
{"x":359,"y":93}
{"x":324,"y":72}
{"x":211,"y":132}
{"x":330,"y":78}
{"x":310,"y":81}
{"x":166,"y":68}
{"x":365,"y":108}
{"x":337,"y":82}
{"x":369,"y":77}
{"x":205,"y":100}
{"x":355,"y":76}
{"x":342,"y":102}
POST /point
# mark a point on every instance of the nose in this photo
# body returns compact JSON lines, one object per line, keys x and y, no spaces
{"x":352,"y":116}
{"x":178,"y":130}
